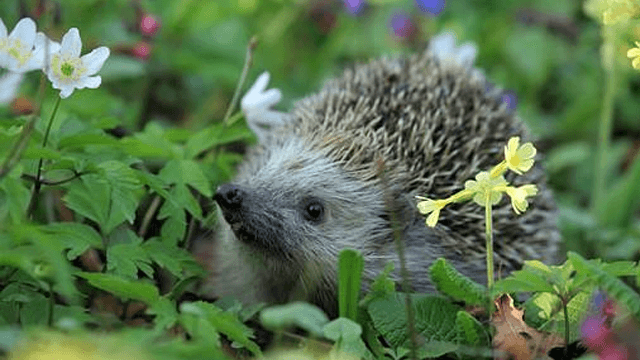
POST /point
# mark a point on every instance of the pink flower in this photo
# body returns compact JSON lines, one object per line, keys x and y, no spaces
{"x":141,"y":50}
{"x":595,"y":334}
{"x":149,"y":25}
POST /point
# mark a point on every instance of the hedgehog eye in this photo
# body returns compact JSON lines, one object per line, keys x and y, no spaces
{"x":313,"y":210}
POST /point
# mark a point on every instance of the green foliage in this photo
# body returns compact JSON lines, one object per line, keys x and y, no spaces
{"x":452,"y":283}
{"x":128,"y":167}
{"x":435,"y":322}
{"x":470,"y":331}
{"x":350,"y":267}
{"x":303,"y":315}
{"x":614,"y":287}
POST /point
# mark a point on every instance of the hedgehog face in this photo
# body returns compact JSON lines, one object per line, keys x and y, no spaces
{"x":291,"y":202}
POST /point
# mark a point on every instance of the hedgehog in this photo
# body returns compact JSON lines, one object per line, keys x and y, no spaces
{"x":343,"y":167}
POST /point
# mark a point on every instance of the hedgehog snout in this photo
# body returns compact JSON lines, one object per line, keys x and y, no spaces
{"x":229,"y":196}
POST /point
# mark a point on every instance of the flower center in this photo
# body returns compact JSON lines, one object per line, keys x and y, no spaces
{"x":18,"y":51}
{"x":67,"y":69}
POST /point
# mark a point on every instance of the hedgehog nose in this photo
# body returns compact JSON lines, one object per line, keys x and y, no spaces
{"x":228,"y":196}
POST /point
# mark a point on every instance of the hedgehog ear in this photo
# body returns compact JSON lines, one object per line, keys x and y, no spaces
{"x":256,"y":105}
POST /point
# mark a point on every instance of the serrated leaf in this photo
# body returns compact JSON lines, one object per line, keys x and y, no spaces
{"x":75,"y":237}
{"x":614,"y":287}
{"x":434,"y":321}
{"x":175,"y":224}
{"x":452,"y":283}
{"x":306,"y":316}
{"x":470,"y":331}
{"x":224,"y":322}
{"x":125,"y":259}
{"x":350,"y":267}
{"x":186,"y":172}
{"x":126,"y":289}
{"x":172,"y":258}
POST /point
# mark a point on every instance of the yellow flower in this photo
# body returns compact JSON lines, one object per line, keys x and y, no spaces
{"x":487,"y":190}
{"x":635,"y":53}
{"x":431,"y":207}
{"x":519,"y":196}
{"x":519,"y":158}
{"x":619,"y":10}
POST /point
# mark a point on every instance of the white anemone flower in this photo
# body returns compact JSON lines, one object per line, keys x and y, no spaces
{"x":22,"y":50}
{"x":68,"y":71}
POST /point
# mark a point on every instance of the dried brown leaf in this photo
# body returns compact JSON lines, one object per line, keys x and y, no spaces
{"x":515,"y":339}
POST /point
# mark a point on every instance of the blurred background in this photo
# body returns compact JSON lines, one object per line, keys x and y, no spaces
{"x":175,"y":64}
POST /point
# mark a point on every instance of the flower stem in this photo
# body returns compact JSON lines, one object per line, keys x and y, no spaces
{"x":606,"y":115}
{"x":38,"y":183}
{"x":566,"y":323}
{"x":489,"y":241}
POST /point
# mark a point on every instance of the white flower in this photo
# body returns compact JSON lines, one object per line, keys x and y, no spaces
{"x":68,"y":71}
{"x":9,"y":83}
{"x":256,"y":105}
{"x":23,"y":50}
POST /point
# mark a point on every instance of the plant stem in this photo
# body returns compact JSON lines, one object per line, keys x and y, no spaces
{"x":38,"y":183}
{"x":489,"y":241}
{"x":52,"y":302}
{"x":606,"y":117}
{"x":248,"y":60}
{"x":566,"y":323}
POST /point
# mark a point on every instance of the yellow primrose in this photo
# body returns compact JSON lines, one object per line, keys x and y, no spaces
{"x":519,"y":158}
{"x":635,"y":53}
{"x":487,"y":190}
{"x":519,"y":196}
{"x":619,"y":10}
{"x":431,"y":207}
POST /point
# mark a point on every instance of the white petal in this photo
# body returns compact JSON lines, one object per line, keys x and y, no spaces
{"x":65,"y":91}
{"x":25,"y":30}
{"x":91,"y":82}
{"x":95,"y":59}
{"x":71,"y":43}
{"x":3,"y":30}
{"x":44,"y":48}
{"x":9,"y":84}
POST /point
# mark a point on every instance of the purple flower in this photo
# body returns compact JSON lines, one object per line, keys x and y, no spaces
{"x":402,"y":25}
{"x":355,"y":7}
{"x":510,"y":98}
{"x":595,"y":333}
{"x":433,"y":7}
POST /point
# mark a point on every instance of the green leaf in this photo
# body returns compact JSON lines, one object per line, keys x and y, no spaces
{"x":14,"y":200}
{"x":217,"y":134}
{"x":186,"y":172}
{"x":470,"y":331}
{"x":435,"y":321}
{"x":544,"y":312}
{"x":175,"y":223}
{"x":452,"y":283}
{"x":382,"y":286}
{"x":127,"y":257}
{"x":350,"y":267}
{"x":224,"y":322}
{"x":108,"y":198}
{"x":75,"y":237}
{"x":176,"y":260}
{"x":306,"y":316}
{"x":347,"y":337}
{"x":534,"y":277}
{"x":125,"y":289}
{"x":614,"y":287}
{"x":82,"y":140}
